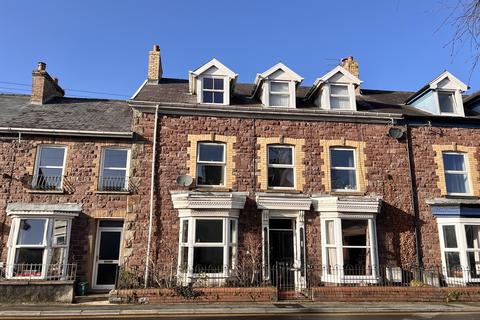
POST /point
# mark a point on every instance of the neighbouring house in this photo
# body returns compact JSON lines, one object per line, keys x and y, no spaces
{"x":205,"y":177}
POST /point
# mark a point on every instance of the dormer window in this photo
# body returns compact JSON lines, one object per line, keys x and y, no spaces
{"x":442,"y":96}
{"x":446,"y":102}
{"x":212,"y":90}
{"x":279,"y":94}
{"x":212,"y":83}
{"x":335,"y":90}
{"x":339,"y":97}
{"x":276,"y":87}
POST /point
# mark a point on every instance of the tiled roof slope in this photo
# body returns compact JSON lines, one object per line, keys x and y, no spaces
{"x":80,"y":114}
{"x":175,"y":91}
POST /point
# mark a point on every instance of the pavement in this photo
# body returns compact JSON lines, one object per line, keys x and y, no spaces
{"x":103,"y":309}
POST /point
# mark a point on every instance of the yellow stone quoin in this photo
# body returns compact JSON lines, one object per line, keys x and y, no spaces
{"x":299,"y":166}
{"x":472,"y":165}
{"x":194,"y":139}
{"x":359,"y":147}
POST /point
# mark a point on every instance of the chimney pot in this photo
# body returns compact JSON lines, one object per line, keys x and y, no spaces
{"x":42,"y":66}
{"x":156,"y":47}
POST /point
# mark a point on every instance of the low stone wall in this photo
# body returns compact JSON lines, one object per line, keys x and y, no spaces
{"x":36,"y":291}
{"x":183,"y":295}
{"x":404,"y":294}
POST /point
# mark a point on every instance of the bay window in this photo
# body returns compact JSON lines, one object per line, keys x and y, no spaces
{"x":281,"y":166}
{"x":349,"y":249}
{"x":211,"y":164}
{"x":456,"y":174}
{"x":460,"y":244}
{"x":343,"y":169}
{"x":207,"y":245}
{"x":38,"y":247}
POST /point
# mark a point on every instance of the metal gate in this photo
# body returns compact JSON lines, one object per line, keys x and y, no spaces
{"x":288,"y":280}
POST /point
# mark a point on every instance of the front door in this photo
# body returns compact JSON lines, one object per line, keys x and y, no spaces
{"x":282,"y":256}
{"x":107,"y":254}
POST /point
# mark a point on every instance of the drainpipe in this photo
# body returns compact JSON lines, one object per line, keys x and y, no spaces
{"x":152,"y":193}
{"x":413,"y":195}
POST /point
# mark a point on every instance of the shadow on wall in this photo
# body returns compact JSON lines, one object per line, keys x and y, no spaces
{"x":395,"y":236}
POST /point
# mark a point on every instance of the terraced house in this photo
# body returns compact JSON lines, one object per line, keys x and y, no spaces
{"x":238,"y":184}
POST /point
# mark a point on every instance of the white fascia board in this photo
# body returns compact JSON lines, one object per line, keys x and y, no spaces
{"x":214,"y":63}
{"x":325,"y":78}
{"x":446,"y":74}
{"x":139,"y":89}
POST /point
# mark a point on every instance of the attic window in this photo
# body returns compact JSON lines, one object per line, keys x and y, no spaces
{"x":213,"y":90}
{"x":279,"y":94}
{"x":446,"y":102}
{"x":339,"y":97}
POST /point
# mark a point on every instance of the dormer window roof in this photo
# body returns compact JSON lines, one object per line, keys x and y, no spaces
{"x":276,"y":87}
{"x":441,"y":96}
{"x":335,"y":90}
{"x":212,"y":83}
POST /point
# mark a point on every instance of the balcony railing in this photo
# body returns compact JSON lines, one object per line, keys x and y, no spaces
{"x":113,"y":183}
{"x":47,"y":183}
{"x":31,"y":271}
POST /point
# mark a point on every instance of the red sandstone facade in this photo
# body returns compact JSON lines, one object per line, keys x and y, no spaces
{"x":398,"y":181}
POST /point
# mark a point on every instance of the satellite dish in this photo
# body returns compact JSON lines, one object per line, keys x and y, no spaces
{"x":396,"y":133}
{"x":184,"y":180}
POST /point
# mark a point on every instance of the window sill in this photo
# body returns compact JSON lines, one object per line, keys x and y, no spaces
{"x":347,"y":193}
{"x":283,"y":190}
{"x":456,"y":196}
{"x":46,"y":191}
{"x":111,"y":192}
{"x":202,"y":188}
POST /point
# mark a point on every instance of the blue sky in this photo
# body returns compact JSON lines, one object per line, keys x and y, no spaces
{"x":102,"y":46}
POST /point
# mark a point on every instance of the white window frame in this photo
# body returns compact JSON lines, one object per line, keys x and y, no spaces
{"x":334,"y":95}
{"x":459,"y":223}
{"x":466,"y":172}
{"x":337,"y":274}
{"x":223,"y":163}
{"x":224,"y":91}
{"x":47,"y":245}
{"x":38,"y":167}
{"x":355,"y":168}
{"x":284,"y":166}
{"x":325,"y":98}
{"x":287,"y":93}
{"x":229,"y":242}
{"x":454,"y":98}
{"x":103,"y":168}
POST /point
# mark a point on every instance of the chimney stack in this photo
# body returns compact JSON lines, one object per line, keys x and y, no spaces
{"x":155,"y":70}
{"x":350,"y":65}
{"x":44,"y":87}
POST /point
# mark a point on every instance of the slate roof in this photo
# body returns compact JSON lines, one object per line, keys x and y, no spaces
{"x":66,"y":114}
{"x":176,"y":91}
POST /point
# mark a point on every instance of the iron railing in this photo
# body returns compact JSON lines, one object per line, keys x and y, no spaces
{"x":113,"y":183}
{"x":289,"y":277}
{"x":32,"y":271}
{"x":46,"y":183}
